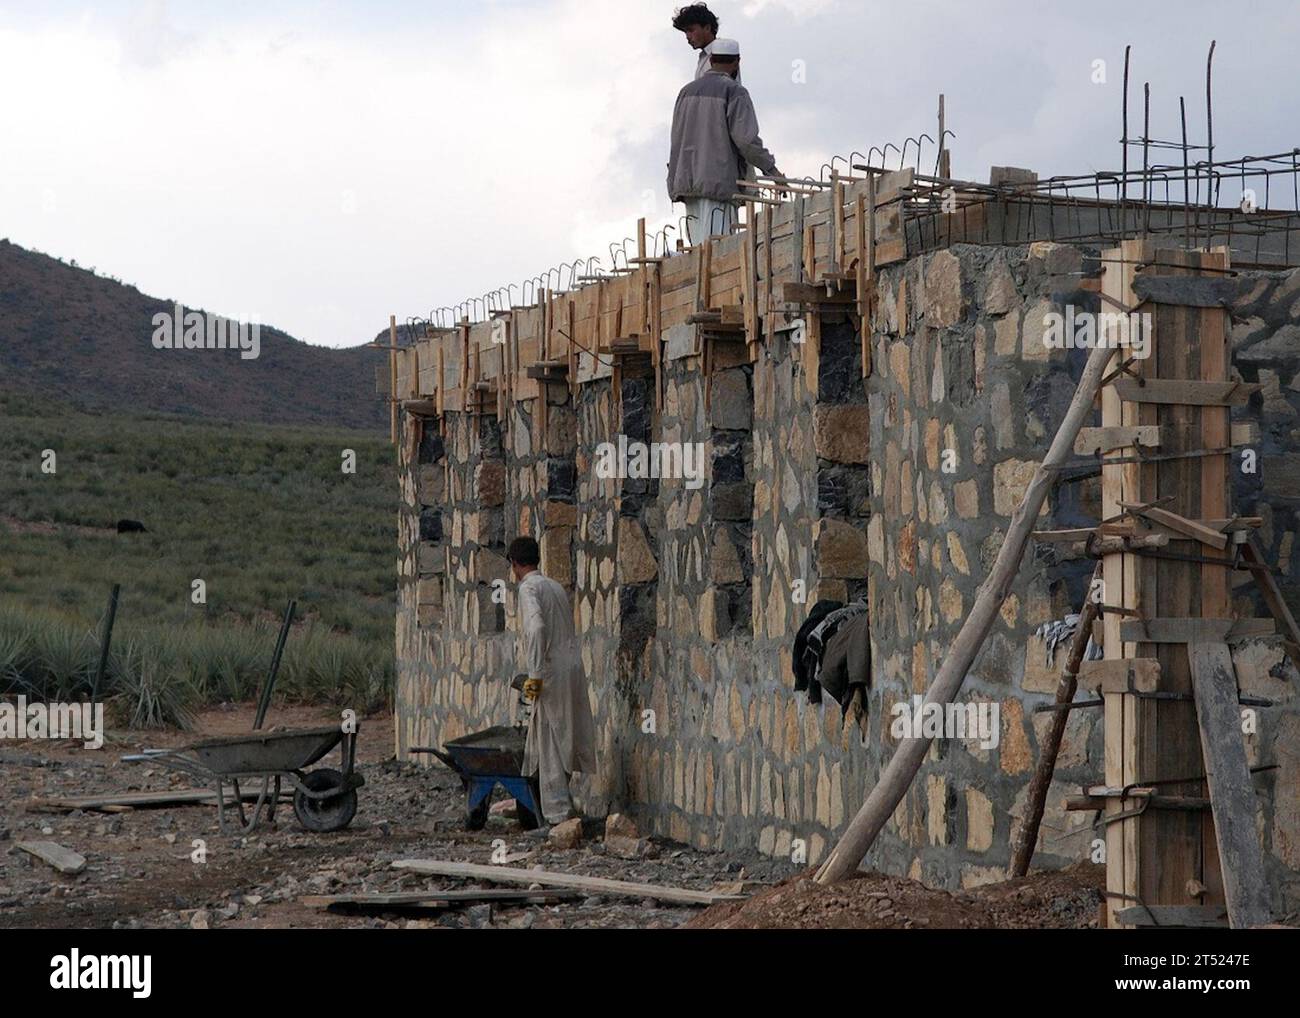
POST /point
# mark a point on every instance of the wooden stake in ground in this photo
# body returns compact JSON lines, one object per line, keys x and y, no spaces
{"x":1027,"y":834}
{"x":906,"y":761}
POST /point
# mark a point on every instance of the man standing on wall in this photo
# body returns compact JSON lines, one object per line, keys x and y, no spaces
{"x":700,"y":26}
{"x":561,"y":733}
{"x":714,"y":142}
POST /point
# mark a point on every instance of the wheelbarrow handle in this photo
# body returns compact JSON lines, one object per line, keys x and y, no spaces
{"x":146,"y":754}
{"x":444,"y":757}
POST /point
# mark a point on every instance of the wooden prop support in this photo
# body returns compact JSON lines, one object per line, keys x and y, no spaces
{"x":906,"y":761}
{"x":1027,"y":834}
{"x":1232,"y":796}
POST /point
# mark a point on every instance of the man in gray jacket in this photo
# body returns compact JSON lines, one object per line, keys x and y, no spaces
{"x":714,"y":142}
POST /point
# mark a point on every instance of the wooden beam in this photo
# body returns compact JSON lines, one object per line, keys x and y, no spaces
{"x":1121,"y":675}
{"x":1192,"y":630}
{"x":592,"y":885}
{"x":1232,"y":795}
{"x":1180,"y":524}
{"x":436,"y":899}
{"x":1274,"y":600}
{"x":812,"y":293}
{"x":1192,"y":916}
{"x":1185,"y":391}
{"x":1093,"y":441}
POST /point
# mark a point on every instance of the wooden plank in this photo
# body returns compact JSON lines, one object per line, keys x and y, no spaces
{"x":436,"y":899}
{"x":1232,"y":795}
{"x":1057,"y":536}
{"x":139,"y":800}
{"x":1185,"y":391}
{"x":1121,"y":675}
{"x":811,"y":293}
{"x":1214,"y":483}
{"x":65,"y":860}
{"x":1196,"y":916}
{"x":1274,"y":600}
{"x":1193,"y":629}
{"x":1093,"y":441}
{"x":1180,"y":524}
{"x":592,"y":885}
{"x":1118,"y":483}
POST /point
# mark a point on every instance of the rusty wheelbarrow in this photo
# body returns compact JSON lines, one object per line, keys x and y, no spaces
{"x":324,"y":799}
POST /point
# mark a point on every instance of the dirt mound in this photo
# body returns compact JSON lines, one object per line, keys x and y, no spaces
{"x":1065,"y":899}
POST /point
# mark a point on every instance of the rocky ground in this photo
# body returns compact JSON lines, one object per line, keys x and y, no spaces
{"x":141,"y":872}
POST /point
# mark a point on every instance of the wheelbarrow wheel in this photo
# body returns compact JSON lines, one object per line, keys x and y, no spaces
{"x":332,"y":813}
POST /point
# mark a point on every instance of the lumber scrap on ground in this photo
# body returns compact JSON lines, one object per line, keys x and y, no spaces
{"x":437,"y":899}
{"x":65,"y":860}
{"x":115,"y":802}
{"x":593,"y":885}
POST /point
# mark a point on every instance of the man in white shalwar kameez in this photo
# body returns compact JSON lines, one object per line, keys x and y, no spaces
{"x":561,"y":733}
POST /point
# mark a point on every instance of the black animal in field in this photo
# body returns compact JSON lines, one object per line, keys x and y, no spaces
{"x":131,"y":527}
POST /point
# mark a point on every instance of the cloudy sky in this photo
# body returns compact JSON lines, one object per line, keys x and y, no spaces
{"x":322,"y":165}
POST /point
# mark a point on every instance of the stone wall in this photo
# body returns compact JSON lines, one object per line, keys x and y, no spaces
{"x":895,"y":489}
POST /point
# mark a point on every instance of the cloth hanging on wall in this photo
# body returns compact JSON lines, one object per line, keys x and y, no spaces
{"x":821,"y":634}
{"x":802,"y":678}
{"x":846,"y":664}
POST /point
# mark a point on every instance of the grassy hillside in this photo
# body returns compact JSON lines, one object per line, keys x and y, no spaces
{"x":69,"y":334}
{"x":260,"y":513}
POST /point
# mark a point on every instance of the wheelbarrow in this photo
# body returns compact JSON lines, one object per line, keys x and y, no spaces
{"x":324,"y":799}
{"x":483,"y":760}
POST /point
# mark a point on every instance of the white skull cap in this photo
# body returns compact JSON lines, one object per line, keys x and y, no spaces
{"x":724,"y":48}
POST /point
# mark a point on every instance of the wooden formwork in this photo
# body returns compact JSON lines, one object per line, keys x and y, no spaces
{"x":789,"y":258}
{"x":1172,"y":747}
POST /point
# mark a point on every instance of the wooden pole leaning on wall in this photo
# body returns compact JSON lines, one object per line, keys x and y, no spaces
{"x":1022,"y":846}
{"x":897,"y":776}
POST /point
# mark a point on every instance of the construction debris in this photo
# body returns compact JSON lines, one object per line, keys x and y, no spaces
{"x":593,"y":885}
{"x":62,"y":859}
{"x":114,"y":803}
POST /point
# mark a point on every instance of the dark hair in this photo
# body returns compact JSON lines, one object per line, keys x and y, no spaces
{"x":695,"y":14}
{"x":524,"y":551}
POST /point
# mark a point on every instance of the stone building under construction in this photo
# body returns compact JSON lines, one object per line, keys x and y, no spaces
{"x":863,"y":365}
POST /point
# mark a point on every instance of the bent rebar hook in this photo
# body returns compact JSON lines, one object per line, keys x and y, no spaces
{"x":938,"y":156}
{"x":664,"y":234}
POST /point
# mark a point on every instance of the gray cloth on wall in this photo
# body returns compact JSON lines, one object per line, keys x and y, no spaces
{"x":561,"y":734}
{"x":714,"y":140}
{"x":816,"y":643}
{"x":846,"y":663}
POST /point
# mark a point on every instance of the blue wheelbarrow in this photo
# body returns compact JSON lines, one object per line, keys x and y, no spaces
{"x":483,"y":760}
